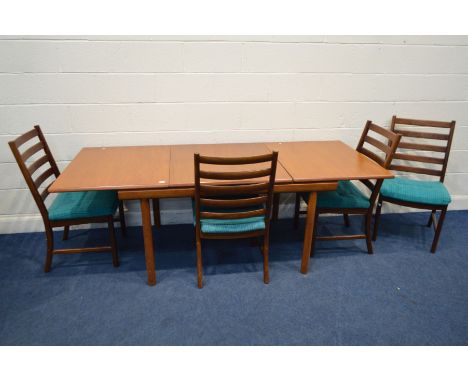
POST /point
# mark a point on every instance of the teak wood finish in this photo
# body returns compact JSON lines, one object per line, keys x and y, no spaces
{"x":221,"y":190}
{"x":435,"y":148}
{"x":175,"y":168}
{"x":379,"y":152}
{"x":116,"y":168}
{"x":326,"y":161}
{"x":49,"y":169}
{"x":323,"y":161}
{"x":182,"y":184}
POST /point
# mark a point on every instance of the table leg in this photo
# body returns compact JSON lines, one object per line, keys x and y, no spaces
{"x":309,"y":231}
{"x":275,"y":212}
{"x":148,"y":240}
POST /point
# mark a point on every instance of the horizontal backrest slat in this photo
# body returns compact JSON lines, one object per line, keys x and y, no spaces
{"x":45,"y":193}
{"x":232,"y":215}
{"x":31,"y":151}
{"x":234,"y":202}
{"x":236,"y":160}
{"x":38,"y":163}
{"x":418,"y":158}
{"x":371,"y":155}
{"x":206,"y":190}
{"x":45,"y":175}
{"x":380,"y":130}
{"x":422,"y":134}
{"x":25,"y":137}
{"x":422,"y":147}
{"x":417,"y":170}
{"x":368,"y":184}
{"x":422,"y":122}
{"x":234,"y":175}
{"x":376,"y":143}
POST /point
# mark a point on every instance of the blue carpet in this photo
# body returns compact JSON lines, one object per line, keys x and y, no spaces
{"x":402,"y":295}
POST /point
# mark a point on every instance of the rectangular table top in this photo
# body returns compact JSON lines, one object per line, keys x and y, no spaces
{"x":323,"y":161}
{"x":158,"y":167}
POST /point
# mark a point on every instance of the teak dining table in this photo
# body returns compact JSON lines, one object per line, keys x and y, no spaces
{"x":151,"y":172}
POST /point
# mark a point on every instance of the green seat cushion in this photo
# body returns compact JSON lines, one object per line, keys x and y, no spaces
{"x":77,"y":205}
{"x":346,"y":195}
{"x":416,"y":191}
{"x":254,"y":223}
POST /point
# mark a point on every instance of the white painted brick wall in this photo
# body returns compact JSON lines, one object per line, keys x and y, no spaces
{"x":132,"y":90}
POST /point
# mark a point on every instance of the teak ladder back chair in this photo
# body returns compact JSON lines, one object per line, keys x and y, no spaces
{"x":234,"y":204}
{"x":422,"y":194}
{"x":68,"y":208}
{"x":348,"y":199}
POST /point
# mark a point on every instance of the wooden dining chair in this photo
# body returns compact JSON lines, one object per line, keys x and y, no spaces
{"x":431,"y":195}
{"x":234,"y":204}
{"x":68,"y":208}
{"x":347,"y":199}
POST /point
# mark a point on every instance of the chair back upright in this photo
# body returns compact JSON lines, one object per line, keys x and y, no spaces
{"x":433,"y":138}
{"x":32,"y":153}
{"x":380,"y":147}
{"x":225,"y":195}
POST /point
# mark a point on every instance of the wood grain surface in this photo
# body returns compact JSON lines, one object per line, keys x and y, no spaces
{"x":116,"y":168}
{"x":321,"y":161}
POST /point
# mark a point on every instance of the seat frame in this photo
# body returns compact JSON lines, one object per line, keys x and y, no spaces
{"x":389,"y":150}
{"x":229,"y":184}
{"x":40,"y":197}
{"x":433,"y":221}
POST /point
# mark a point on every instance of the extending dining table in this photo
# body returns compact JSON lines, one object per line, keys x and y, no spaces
{"x":152,"y":172}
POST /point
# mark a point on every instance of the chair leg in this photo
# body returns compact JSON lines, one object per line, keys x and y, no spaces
{"x":199,"y":265}
{"x":265,"y":250}
{"x":377,"y":218}
{"x":50,"y":249}
{"x":297,"y":207}
{"x":156,"y":213}
{"x":66,"y":230}
{"x":275,"y":211}
{"x":368,"y":232}
{"x":115,"y":257}
{"x":440,"y":222}
{"x":123,"y":225}
{"x":346,"y":220}
{"x":429,"y":222}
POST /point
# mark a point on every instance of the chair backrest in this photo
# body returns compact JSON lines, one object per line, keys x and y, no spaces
{"x":24,"y":148}
{"x":380,"y":147}
{"x":385,"y":141}
{"x":422,"y":136}
{"x":227,"y":190}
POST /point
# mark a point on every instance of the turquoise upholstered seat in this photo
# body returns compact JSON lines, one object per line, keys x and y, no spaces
{"x":346,"y":195}
{"x":77,"y":205}
{"x":254,"y":223}
{"x":416,"y":191}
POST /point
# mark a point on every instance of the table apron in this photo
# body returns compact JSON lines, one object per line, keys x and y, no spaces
{"x":190,"y":191}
